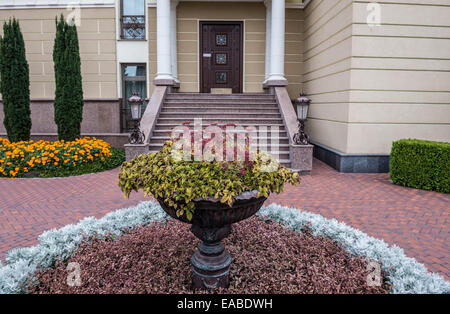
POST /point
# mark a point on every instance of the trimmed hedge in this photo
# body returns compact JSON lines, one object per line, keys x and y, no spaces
{"x":421,"y":164}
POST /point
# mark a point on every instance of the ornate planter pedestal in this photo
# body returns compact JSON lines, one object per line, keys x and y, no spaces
{"x":211,"y":223}
{"x":211,"y":262}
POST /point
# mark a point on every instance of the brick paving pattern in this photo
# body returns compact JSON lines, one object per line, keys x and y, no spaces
{"x":416,"y":220}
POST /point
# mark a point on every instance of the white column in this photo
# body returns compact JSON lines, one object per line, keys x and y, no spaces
{"x":277,"y":41}
{"x":173,"y":39}
{"x":268,"y":4}
{"x":163,"y":50}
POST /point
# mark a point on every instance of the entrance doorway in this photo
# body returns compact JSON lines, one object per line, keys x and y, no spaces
{"x":221,"y":56}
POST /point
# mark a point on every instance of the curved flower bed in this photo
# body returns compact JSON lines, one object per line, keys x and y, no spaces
{"x":267,"y":259}
{"x":19,"y":158}
{"x":405,"y":274}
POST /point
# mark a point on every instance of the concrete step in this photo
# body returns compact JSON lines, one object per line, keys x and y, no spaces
{"x":268,"y":147}
{"x":286,"y":162}
{"x":282,"y":141}
{"x":236,"y":120}
{"x":253,"y":109}
{"x":161,"y":131}
{"x":219,"y":115}
{"x":231,"y":107}
{"x":245,"y":102}
{"x":219,"y":99}
{"x":216,"y":96}
{"x":264,"y":147}
{"x":281,"y":148}
{"x":279,"y":155}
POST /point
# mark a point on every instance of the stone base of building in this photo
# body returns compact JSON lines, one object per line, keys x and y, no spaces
{"x":101,"y":119}
{"x":351,"y":163}
{"x":100,"y":116}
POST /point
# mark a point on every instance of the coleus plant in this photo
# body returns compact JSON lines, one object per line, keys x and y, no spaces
{"x":204,"y":164}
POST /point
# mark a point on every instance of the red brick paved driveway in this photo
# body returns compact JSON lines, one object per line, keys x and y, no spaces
{"x":416,"y":220}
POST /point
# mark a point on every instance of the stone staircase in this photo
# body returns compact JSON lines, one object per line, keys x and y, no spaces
{"x":241,"y":109}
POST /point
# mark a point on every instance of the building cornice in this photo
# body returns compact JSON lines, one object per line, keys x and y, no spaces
{"x":303,"y":5}
{"x":62,"y":4}
{"x":55,"y":4}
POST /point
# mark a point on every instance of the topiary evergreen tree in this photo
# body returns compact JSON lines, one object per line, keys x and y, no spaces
{"x":15,"y":83}
{"x":69,"y":92}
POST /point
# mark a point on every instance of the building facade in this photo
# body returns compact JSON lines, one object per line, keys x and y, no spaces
{"x":375,"y":72}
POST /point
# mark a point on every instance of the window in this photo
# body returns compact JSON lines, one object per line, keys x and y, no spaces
{"x":133,"y":19}
{"x":221,"y":58}
{"x":221,"y":39}
{"x":221,"y":77}
{"x":134,"y":80}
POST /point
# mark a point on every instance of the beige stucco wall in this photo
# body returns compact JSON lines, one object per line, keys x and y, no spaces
{"x":152,"y":60}
{"x":400,"y":75}
{"x":293,"y":59}
{"x":97,"y":49}
{"x":373,"y":85}
{"x":326,"y":76}
{"x":254,"y":17}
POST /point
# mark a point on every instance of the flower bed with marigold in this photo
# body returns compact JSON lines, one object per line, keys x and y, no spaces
{"x":19,"y":158}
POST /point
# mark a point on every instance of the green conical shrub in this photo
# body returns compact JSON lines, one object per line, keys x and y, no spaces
{"x":15,"y":83}
{"x":69,"y":92}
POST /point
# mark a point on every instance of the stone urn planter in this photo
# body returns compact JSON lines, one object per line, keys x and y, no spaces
{"x":180,"y":184}
{"x":211,"y":223}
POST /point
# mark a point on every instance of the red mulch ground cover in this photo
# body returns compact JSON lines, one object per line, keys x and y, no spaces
{"x":267,"y":258}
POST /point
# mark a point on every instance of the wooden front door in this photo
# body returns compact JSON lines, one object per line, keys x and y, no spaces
{"x":221,"y":56}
